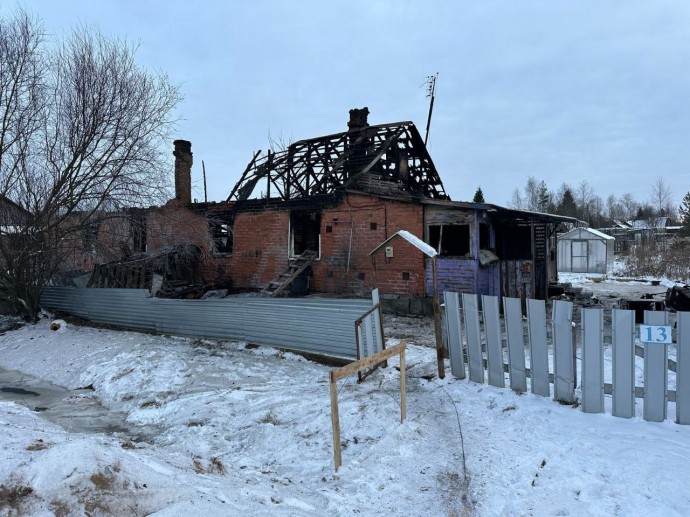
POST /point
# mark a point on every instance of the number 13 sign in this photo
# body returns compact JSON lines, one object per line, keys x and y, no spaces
{"x":655,"y":334}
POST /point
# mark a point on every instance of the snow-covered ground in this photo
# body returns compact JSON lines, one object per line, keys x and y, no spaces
{"x":608,"y":285}
{"x":218,"y":428}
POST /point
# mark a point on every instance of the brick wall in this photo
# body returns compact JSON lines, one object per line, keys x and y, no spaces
{"x":259,"y":243}
{"x":350,"y":231}
{"x":175,"y":224}
{"x":260,"y":250}
{"x":108,"y":239}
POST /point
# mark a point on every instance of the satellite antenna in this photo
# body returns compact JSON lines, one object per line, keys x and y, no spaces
{"x":430,"y":93}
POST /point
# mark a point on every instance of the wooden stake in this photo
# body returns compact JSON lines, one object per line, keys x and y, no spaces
{"x":437,"y":323}
{"x":403,"y":402}
{"x":335,"y":420}
{"x":355,"y":367}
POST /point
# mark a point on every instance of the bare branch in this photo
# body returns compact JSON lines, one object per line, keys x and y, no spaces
{"x":83,"y":133}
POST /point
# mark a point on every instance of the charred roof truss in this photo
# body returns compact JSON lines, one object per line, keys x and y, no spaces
{"x":390,"y":157}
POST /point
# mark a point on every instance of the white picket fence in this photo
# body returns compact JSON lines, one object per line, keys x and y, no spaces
{"x":484,"y":341}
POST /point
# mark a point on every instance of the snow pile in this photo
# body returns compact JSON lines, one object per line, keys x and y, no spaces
{"x":217,"y":428}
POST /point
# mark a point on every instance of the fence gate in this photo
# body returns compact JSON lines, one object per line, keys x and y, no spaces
{"x":476,"y":337}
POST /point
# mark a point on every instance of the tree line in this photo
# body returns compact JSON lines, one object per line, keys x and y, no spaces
{"x":582,"y":202}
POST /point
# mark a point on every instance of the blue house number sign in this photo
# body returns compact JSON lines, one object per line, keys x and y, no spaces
{"x":655,"y":334}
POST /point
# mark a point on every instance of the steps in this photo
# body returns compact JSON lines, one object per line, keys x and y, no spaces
{"x":295,"y":267}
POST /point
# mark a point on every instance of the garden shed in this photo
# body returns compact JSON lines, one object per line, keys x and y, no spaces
{"x":585,"y":250}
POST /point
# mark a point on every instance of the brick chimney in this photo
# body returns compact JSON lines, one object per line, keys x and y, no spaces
{"x":183,"y":171}
{"x":356,"y":147}
{"x":358,"y":119}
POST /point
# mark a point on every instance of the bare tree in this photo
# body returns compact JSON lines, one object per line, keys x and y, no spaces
{"x":536,"y":196}
{"x":532,"y":194}
{"x":629,"y":205}
{"x":584,"y":196}
{"x":516,"y":200}
{"x":614,"y":209}
{"x":661,"y":198}
{"x":82,"y":137}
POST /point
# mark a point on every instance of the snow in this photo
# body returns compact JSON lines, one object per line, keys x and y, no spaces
{"x":592,"y":231}
{"x":617,"y":285}
{"x":220,"y":428}
{"x":418,"y":243}
{"x":429,"y":251}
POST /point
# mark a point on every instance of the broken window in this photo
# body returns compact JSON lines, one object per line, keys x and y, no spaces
{"x":435,"y":237}
{"x":305,"y":228}
{"x":514,"y":242}
{"x":451,"y":240}
{"x":484,"y":236}
{"x":90,"y":236}
{"x":221,"y":233}
{"x":137,"y":230}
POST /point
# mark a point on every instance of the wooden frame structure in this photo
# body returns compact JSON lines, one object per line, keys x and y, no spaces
{"x":389,"y":157}
{"x":350,"y":369}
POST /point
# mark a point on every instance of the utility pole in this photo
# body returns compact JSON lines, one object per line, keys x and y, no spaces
{"x":203,"y":168}
{"x":430,"y":93}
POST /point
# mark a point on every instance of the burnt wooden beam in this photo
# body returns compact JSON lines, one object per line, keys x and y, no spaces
{"x":352,"y":180}
{"x":244,"y":174}
{"x":322,"y":165}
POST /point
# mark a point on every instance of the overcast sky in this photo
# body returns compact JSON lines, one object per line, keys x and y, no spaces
{"x":563,"y":91}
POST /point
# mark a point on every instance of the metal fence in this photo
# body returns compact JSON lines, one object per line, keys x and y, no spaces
{"x":314,"y":325}
{"x":484,"y":341}
{"x":369,"y":334}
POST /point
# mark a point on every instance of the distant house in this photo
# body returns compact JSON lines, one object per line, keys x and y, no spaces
{"x":12,"y":216}
{"x":640,"y":232}
{"x":13,"y":224}
{"x":323,"y":204}
{"x":585,"y":250}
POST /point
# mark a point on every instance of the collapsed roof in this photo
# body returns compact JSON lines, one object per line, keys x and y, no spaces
{"x":388,"y":159}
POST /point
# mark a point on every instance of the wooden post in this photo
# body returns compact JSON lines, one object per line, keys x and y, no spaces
{"x":437,"y":323}
{"x":352,"y":368}
{"x":403,"y":401}
{"x":335,"y":420}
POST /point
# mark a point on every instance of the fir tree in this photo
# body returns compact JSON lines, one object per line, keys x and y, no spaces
{"x":684,"y":213}
{"x":543,"y":197}
{"x":567,"y":206}
{"x":478,"y":196}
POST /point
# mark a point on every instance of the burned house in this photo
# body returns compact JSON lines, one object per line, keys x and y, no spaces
{"x":318,"y":208}
{"x":13,"y":221}
{"x":12,"y":215}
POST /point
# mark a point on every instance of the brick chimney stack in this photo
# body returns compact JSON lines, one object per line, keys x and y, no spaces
{"x":358,"y":119}
{"x":183,"y":171}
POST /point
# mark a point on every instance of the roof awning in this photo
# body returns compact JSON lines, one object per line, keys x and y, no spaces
{"x":412,"y":239}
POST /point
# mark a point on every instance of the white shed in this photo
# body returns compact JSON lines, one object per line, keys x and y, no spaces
{"x":584,"y":250}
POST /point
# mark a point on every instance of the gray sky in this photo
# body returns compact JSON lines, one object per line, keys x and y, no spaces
{"x":563,"y":91}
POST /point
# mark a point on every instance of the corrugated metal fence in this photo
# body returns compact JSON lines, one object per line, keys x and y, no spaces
{"x":319,"y":326}
{"x":488,"y":349}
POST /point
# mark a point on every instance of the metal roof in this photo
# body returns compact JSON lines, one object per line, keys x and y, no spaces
{"x":596,"y":233}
